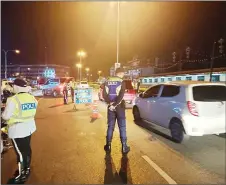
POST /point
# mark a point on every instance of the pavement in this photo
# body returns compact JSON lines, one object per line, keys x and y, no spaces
{"x":68,"y":148}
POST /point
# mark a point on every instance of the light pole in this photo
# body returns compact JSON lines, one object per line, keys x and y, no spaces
{"x":118,"y":19}
{"x":87,"y":73}
{"x":213,"y":53}
{"x":81,"y":54}
{"x":6,"y":52}
{"x":79,"y":66}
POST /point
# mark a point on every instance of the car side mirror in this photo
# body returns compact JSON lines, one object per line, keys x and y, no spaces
{"x":141,"y":95}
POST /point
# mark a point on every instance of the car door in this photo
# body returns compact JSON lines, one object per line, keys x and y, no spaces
{"x":145,"y":101}
{"x":167,"y":104}
{"x":151,"y":99}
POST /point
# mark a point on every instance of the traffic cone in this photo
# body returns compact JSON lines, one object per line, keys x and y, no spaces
{"x":95,"y":112}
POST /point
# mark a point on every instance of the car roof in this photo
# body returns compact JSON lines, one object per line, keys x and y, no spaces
{"x":193,"y":83}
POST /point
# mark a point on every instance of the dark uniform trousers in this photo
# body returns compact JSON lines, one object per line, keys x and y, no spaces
{"x":23,"y":150}
{"x":119,"y":115}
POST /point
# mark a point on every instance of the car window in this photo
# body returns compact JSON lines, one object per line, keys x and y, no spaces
{"x":209,"y":93}
{"x":83,"y":82}
{"x":170,"y":91}
{"x":152,"y":92}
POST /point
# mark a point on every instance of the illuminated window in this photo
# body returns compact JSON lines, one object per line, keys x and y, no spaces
{"x":216,"y":78}
{"x":178,"y":78}
{"x":156,"y":80}
{"x":188,"y":78}
{"x":169,"y":79}
{"x":145,"y":81}
{"x":201,"y":78}
{"x":162,"y":79}
{"x":150,"y":80}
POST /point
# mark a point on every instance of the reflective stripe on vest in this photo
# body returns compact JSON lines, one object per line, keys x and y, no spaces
{"x":25,"y":108}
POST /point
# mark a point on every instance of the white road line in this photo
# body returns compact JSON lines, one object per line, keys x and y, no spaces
{"x":159,"y":170}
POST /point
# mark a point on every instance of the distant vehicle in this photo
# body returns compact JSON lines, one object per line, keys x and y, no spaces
{"x":129,"y":95}
{"x":189,"y":108}
{"x":54,"y":87}
{"x":83,"y":84}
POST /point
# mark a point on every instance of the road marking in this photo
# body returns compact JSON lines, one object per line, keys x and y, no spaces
{"x":159,"y":170}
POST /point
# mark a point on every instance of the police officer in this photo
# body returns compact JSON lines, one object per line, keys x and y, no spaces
{"x":72,"y":86}
{"x":19,"y":113}
{"x":114,"y":90}
{"x":65,"y":93}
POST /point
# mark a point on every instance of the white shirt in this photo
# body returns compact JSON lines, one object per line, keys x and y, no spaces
{"x":18,"y":130}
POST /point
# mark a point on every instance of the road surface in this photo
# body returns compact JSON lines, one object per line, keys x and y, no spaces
{"x":68,"y":148}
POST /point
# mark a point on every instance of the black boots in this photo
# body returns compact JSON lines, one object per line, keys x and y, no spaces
{"x":19,"y":176}
{"x":125,"y":148}
{"x":27,"y":166}
{"x":107,"y":147}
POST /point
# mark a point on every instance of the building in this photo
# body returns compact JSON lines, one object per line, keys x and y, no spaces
{"x":34,"y":71}
{"x":219,"y":75}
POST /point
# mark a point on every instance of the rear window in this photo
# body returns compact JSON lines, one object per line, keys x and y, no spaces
{"x":209,"y":93}
{"x":128,"y":84}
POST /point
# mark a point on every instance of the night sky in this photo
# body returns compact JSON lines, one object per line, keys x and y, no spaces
{"x":147,"y":29}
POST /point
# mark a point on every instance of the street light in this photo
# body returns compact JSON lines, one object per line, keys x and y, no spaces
{"x":87,"y":69}
{"x":6,"y":52}
{"x":81,"y":54}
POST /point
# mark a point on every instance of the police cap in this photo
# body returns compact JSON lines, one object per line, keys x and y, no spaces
{"x":20,"y":82}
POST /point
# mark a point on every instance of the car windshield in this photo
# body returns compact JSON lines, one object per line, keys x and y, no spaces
{"x":209,"y":93}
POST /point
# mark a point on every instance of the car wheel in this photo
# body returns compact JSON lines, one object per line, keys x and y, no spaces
{"x":177,"y":132}
{"x":136,"y":113}
{"x":54,"y":93}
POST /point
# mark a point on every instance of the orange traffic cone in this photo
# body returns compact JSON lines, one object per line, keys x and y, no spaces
{"x":95,"y":113}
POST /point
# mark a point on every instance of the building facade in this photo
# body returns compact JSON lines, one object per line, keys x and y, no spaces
{"x":35,"y":71}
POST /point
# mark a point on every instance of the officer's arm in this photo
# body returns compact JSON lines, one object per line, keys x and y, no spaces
{"x":105,"y":95}
{"x":9,"y":109}
{"x":121,"y":94}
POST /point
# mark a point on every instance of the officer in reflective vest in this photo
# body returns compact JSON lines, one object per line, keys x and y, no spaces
{"x":113,"y":92}
{"x":65,"y":93}
{"x":72,"y":86}
{"x":19,"y":113}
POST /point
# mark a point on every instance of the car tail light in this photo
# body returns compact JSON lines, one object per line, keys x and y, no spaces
{"x":192,"y":108}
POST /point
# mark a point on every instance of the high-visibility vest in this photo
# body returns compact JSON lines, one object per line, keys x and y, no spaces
{"x":113,"y":86}
{"x":26,"y":107}
{"x":73,"y":85}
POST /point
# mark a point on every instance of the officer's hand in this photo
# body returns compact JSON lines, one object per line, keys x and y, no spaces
{"x":112,"y":108}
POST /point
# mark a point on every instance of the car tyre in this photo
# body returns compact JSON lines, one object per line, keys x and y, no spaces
{"x":136,"y":114}
{"x":177,"y":132}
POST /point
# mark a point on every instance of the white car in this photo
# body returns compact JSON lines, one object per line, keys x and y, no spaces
{"x":83,"y":84}
{"x":187,"y":108}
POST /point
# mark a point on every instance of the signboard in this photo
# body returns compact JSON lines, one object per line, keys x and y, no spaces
{"x":83,"y":95}
{"x":49,"y":73}
{"x":117,"y":65}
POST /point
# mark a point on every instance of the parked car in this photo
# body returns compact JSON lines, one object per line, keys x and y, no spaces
{"x":187,"y":108}
{"x":129,"y":95}
{"x":54,"y":87}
